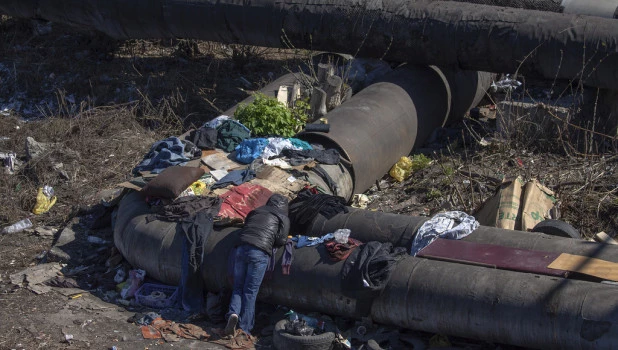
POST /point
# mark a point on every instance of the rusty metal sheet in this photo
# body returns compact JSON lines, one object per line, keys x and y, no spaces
{"x":494,"y":256}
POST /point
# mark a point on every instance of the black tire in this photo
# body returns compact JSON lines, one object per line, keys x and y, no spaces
{"x":556,"y":228}
{"x":286,"y":341}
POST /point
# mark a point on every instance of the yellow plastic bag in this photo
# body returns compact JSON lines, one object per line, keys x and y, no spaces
{"x":402,"y":169}
{"x":198,"y":187}
{"x":45,"y":199}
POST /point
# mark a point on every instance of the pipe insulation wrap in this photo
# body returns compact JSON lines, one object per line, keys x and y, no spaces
{"x":496,"y":305}
{"x":444,"y":33}
{"x":367,"y":225}
{"x":433,"y":296}
{"x":599,"y":8}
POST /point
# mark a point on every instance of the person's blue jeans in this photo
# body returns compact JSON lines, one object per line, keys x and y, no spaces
{"x":249,"y":269}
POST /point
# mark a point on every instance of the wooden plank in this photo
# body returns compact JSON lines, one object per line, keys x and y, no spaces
{"x":219,"y":161}
{"x":494,"y":256}
{"x":603,"y":269}
{"x":282,"y":95}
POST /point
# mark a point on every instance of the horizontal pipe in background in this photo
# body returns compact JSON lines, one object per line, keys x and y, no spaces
{"x":463,"y":35}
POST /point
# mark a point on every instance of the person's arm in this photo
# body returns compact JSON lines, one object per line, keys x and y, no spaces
{"x":284,"y":229}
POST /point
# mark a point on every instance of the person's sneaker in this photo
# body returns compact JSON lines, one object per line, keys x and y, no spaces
{"x":230,"y":327}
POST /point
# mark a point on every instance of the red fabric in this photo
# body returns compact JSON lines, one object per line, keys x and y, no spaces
{"x":240,"y":200}
{"x":338,"y":251}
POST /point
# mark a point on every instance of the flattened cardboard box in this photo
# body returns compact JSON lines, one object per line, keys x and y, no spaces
{"x":517,"y":206}
{"x":503,"y":209}
{"x":538,"y":200}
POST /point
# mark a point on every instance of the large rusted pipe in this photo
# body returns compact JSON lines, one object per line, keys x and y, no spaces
{"x":443,"y":33}
{"x":476,"y":302}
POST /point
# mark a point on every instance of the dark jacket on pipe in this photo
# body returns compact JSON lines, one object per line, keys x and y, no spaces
{"x":267,"y":226}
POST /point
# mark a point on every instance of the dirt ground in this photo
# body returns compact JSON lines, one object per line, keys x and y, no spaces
{"x":109,"y":100}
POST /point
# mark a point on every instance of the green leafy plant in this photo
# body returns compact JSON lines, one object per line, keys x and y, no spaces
{"x":433,"y":193}
{"x":266,"y":116}
{"x":420,"y":162}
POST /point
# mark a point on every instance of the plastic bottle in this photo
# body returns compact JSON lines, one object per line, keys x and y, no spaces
{"x":18,"y":226}
{"x":292,"y":315}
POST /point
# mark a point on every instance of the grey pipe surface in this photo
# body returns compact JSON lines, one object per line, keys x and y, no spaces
{"x":367,"y":225}
{"x":599,"y":8}
{"x":434,"y":296}
{"x":380,"y":123}
{"x":443,"y":33}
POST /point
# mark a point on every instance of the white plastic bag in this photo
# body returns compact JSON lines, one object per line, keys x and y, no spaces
{"x":342,"y":235}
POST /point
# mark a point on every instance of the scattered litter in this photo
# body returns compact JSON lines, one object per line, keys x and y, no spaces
{"x":505,"y":85}
{"x":62,"y":282}
{"x":483,"y":142}
{"x":17,"y":227}
{"x":291,"y":179}
{"x":45,"y":199}
{"x":34,"y":276}
{"x":402,"y":169}
{"x":218,"y":174}
{"x":144,"y":319}
{"x":45,"y":231}
{"x":219,"y":161}
{"x":157,"y":296}
{"x":343,"y":342}
{"x":9,"y":161}
{"x":136,"y":277}
{"x":172,"y":331}
{"x":450,"y":225}
{"x":68,"y":337}
{"x":75,"y":296}
{"x":342,"y":235}
{"x":360,"y":201}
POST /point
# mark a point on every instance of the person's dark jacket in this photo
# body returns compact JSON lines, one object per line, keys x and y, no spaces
{"x":267,"y":226}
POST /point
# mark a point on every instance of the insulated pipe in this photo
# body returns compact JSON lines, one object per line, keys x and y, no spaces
{"x":501,"y":306}
{"x":433,"y":296}
{"x":367,"y":225}
{"x":380,"y":123}
{"x":599,"y":8}
{"x":443,"y":33}
{"x":386,"y":120}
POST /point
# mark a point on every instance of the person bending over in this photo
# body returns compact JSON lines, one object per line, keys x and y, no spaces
{"x":265,"y":228}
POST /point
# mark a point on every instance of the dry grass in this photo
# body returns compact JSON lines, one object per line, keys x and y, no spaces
{"x":87,"y":153}
{"x":103,"y":102}
{"x":577,"y":162}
